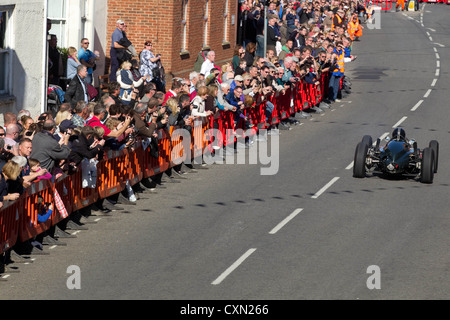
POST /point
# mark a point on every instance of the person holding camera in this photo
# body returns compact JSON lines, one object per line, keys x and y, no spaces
{"x":46,"y":149}
{"x":85,"y":146}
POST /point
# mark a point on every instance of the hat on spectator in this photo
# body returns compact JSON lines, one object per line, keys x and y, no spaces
{"x":295,"y":59}
{"x":120,"y":21}
{"x":66,"y":124}
{"x":238,"y":78}
{"x":341,"y":11}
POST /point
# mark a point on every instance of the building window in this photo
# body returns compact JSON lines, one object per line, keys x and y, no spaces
{"x":5,"y":51}
{"x":184,"y":17}
{"x":225,"y":23}
{"x":57,"y":14}
{"x":205,"y":23}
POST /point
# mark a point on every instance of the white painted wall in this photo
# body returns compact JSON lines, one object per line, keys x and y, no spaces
{"x":27,"y":54}
{"x":28,"y":42}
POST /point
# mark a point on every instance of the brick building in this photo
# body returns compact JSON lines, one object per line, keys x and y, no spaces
{"x":178,"y":29}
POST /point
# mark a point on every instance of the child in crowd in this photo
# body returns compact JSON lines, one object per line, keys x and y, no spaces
{"x":35,"y":166}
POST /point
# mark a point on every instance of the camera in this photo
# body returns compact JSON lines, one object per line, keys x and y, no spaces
{"x":8,"y":147}
{"x":29,"y":133}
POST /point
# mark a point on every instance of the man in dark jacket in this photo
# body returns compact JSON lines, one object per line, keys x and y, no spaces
{"x":85,"y":146}
{"x":78,"y":90}
{"x":46,"y":149}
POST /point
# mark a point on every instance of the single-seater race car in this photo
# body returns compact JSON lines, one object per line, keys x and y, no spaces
{"x":399,"y":156}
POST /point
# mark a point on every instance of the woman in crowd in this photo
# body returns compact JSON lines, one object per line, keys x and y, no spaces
{"x":148,"y":61}
{"x":239,"y":53}
{"x":72,"y":63}
{"x":10,"y":172}
{"x":62,"y":115}
{"x":249,"y":55}
{"x":198,"y":104}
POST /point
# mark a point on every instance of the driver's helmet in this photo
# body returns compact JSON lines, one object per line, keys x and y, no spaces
{"x":399,"y":134}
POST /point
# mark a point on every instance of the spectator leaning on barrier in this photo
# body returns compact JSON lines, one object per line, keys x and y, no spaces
{"x":85,"y":146}
{"x":46,"y":149}
{"x":143,"y":129}
{"x":10,"y":172}
{"x":100,"y":114}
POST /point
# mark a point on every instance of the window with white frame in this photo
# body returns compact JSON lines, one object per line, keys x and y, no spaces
{"x":225,"y":22}
{"x":57,"y":14}
{"x":5,"y":50}
{"x":205,"y":23}
{"x":184,"y":11}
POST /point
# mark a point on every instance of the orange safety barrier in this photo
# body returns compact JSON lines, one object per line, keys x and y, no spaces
{"x":10,"y":214}
{"x":385,"y":5}
{"x":83,"y":197}
{"x":112,"y":174}
{"x":18,"y":219}
{"x":29,"y":225}
{"x":134,"y":162}
{"x":153,"y":166}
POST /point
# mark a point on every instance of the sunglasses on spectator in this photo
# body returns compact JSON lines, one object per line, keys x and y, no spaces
{"x":2,"y":134}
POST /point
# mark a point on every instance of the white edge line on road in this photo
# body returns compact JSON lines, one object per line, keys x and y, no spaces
{"x":436,"y":73}
{"x":349,"y":166}
{"x":438,"y":64}
{"x":427,"y":93}
{"x":233,"y":266}
{"x":434,"y":82}
{"x":286,"y":220}
{"x":431,"y":39}
{"x":437,"y":56}
{"x":435,"y":50}
{"x":417,"y":105}
{"x":428,"y":34}
{"x":325,"y":187}
{"x":399,"y":122}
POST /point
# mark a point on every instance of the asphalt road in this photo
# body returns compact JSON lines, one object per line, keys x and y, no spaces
{"x":311,"y":231}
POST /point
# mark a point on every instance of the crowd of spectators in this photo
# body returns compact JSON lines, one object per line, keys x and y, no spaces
{"x":306,"y":40}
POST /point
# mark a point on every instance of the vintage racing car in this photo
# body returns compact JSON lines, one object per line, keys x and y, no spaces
{"x":398,"y":156}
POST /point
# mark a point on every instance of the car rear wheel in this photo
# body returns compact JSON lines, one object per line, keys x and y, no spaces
{"x":367,"y":140}
{"x":427,"y":171}
{"x":434,"y":145}
{"x":359,"y":163}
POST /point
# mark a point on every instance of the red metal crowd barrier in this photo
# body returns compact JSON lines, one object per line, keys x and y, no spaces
{"x":18,"y":219}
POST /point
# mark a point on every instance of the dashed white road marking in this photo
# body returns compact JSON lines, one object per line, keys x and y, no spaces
{"x":399,"y":122}
{"x":434,"y":82}
{"x":233,"y":266}
{"x":436,"y":73}
{"x":324,"y":188}
{"x":286,"y":220}
{"x":417,"y":105}
{"x":427,"y":93}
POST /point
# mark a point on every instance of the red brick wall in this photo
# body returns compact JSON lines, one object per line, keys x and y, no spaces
{"x":160,"y":22}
